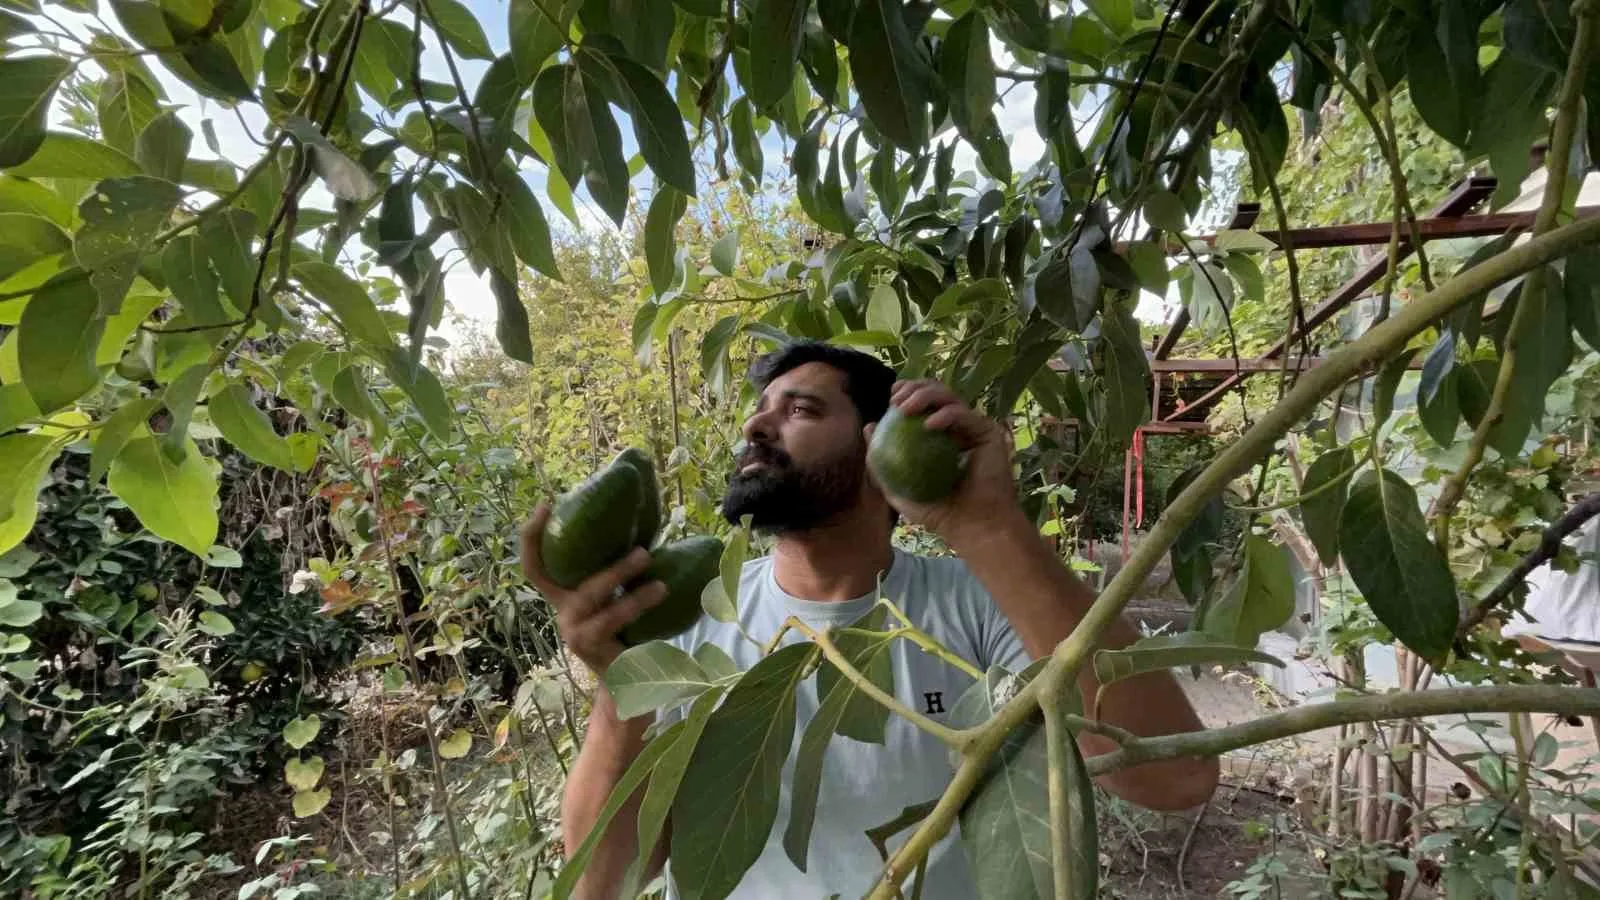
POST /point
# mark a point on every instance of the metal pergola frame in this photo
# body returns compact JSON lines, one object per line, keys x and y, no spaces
{"x":1453,"y":217}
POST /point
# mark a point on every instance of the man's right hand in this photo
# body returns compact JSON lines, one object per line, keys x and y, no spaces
{"x":587,"y":616}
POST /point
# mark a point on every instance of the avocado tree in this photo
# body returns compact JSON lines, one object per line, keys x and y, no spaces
{"x":158,"y":296}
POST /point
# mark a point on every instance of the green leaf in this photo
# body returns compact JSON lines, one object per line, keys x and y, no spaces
{"x":653,"y":675}
{"x":1005,"y":824}
{"x":533,"y":35}
{"x":348,"y":300}
{"x":176,"y":501}
{"x":1433,"y":92}
{"x":301,"y":731}
{"x":24,"y":460}
{"x":456,"y":745}
{"x":308,"y":803}
{"x":29,"y":86}
{"x":529,"y":232}
{"x":303,"y":774}
{"x":1247,"y":275}
{"x":1324,"y":501}
{"x":120,"y":218}
{"x":125,"y":106}
{"x":1260,"y":600}
{"x":344,"y":176}
{"x":664,"y":784}
{"x":725,"y":253}
{"x":1387,"y":382}
{"x":1403,"y":576}
{"x":1067,"y":288}
{"x":891,"y":73}
{"x":729,"y":569}
{"x":75,"y":156}
{"x":1171,"y":651}
{"x":776,"y":27}
{"x":1127,"y":376}
{"x":422,"y":386}
{"x":218,"y":69}
{"x":714,"y":353}
{"x":967,"y":70}
{"x":487,"y":245}
{"x":350,"y":391}
{"x":215,"y":624}
{"x":883,"y":310}
{"x":227,"y":237}
{"x":163,"y":147}
{"x":657,"y":124}
{"x":248,"y":429}
{"x":26,"y":240}
{"x":1163,"y":210}
{"x":1582,"y":285}
{"x":187,"y":270}
{"x":643,"y":765}
{"x":660,"y":247}
{"x":56,"y":343}
{"x":592,"y":138}
{"x":845,"y":711}
{"x":115,"y":432}
{"x":728,"y":801}
{"x":459,"y":28}
{"x":746,"y":141}
{"x":19,"y":613}
{"x":1117,"y":14}
{"x":1544,"y":342}
{"x":511,"y":325}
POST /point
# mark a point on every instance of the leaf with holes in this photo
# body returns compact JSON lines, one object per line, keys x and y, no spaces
{"x":120,"y":218}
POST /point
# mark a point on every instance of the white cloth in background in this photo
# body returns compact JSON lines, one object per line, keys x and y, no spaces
{"x":1565,"y":609}
{"x":865,"y":785}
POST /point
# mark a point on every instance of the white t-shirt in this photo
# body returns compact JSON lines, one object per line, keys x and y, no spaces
{"x":865,"y":785}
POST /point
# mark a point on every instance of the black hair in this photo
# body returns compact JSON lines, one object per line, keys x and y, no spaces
{"x":867,"y":379}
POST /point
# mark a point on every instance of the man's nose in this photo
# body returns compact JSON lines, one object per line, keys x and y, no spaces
{"x":760,"y":427}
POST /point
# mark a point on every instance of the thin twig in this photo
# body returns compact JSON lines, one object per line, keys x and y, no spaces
{"x":948,"y":735}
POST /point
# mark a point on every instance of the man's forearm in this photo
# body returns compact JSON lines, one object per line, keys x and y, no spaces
{"x":609,"y":748}
{"x":1044,"y":602}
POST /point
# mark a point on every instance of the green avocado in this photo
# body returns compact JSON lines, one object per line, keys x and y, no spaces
{"x":649,"y":520}
{"x":592,"y":525}
{"x":685,"y":567}
{"x":912,"y":462}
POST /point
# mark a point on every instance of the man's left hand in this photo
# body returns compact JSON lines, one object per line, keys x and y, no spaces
{"x":986,"y":496}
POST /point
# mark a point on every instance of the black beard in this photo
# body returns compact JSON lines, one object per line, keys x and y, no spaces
{"x":781,"y":497}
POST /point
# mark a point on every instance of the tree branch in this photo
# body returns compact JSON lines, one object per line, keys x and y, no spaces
{"x":830,"y":650}
{"x":1549,"y":546}
{"x":1537,"y":698}
{"x":1364,"y":354}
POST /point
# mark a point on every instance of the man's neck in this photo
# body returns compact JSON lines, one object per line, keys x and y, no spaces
{"x":832,"y":563}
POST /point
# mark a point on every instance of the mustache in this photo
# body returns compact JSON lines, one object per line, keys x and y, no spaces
{"x":761,"y":453}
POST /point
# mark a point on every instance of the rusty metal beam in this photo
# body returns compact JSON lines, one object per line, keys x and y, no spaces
{"x":1244,"y":216}
{"x":1148,"y":427}
{"x":1465,"y":196}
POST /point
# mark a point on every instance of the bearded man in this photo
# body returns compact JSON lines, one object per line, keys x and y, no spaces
{"x":1004,"y":599}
